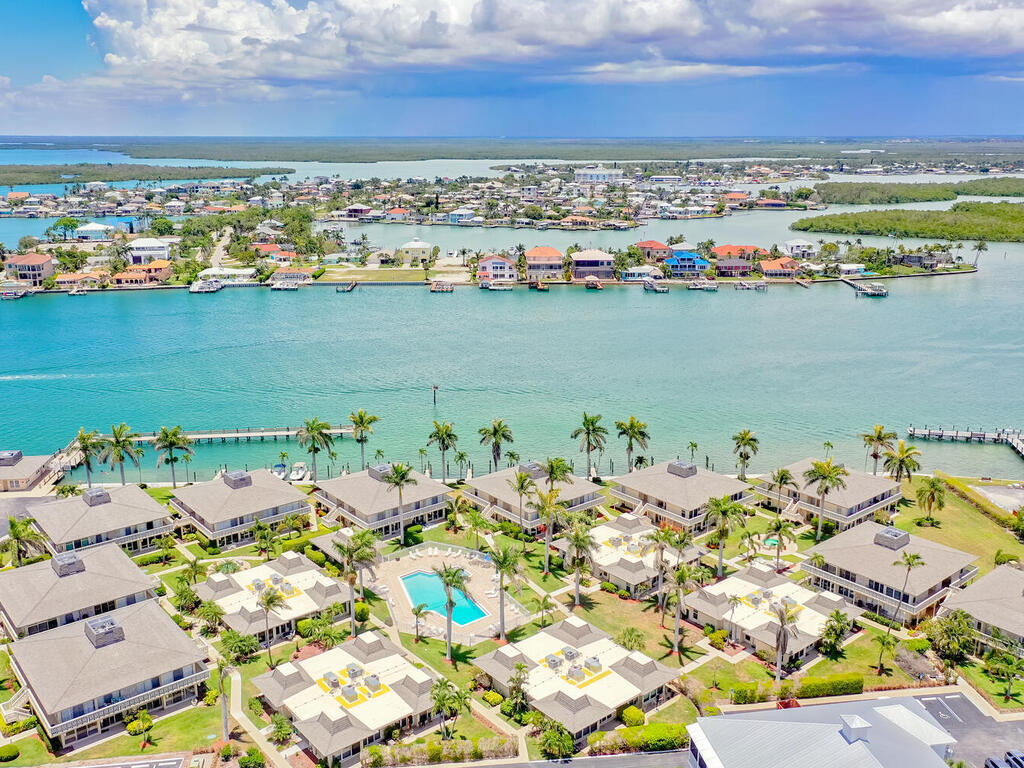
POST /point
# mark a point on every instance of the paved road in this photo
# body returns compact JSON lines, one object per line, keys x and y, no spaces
{"x":170,"y":762}
{"x":978,"y":735}
{"x":677,"y":759}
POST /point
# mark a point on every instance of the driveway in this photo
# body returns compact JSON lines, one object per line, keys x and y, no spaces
{"x":17,"y":507}
{"x":978,"y":735}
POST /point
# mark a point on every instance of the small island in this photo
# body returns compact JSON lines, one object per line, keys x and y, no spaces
{"x":81,"y":173}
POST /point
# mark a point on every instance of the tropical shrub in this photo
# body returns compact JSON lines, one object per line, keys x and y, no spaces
{"x":717,"y":639}
{"x":656,"y":737}
{"x":493,"y":698}
{"x":623,"y":594}
{"x":211,"y":697}
{"x":766,"y":656}
{"x":255,"y":707}
{"x":833,"y":685}
{"x":881,"y":620}
{"x":252,"y":758}
{"x":607,"y":586}
{"x":632,"y":716}
{"x":362,"y":612}
{"x":557,"y":563}
{"x":19,"y":726}
{"x":9,"y":752}
{"x":152,"y":559}
{"x":303,"y":627}
{"x":747,"y":693}
{"x":315,"y":556}
{"x":917,"y":644}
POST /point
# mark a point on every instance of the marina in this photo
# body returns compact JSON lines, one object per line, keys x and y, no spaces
{"x":1011,"y":437}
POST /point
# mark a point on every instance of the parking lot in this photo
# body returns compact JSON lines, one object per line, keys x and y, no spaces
{"x":978,"y":735}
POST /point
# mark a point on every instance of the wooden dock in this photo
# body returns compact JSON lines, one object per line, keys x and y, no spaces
{"x":1011,"y":437}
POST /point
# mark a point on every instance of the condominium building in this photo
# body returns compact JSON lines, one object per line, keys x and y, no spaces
{"x":304,"y":589}
{"x":81,"y":677}
{"x":493,"y":495}
{"x":19,"y":472}
{"x":365,"y":500}
{"x":995,"y":603}
{"x":578,"y":676}
{"x":225,"y":509}
{"x":863,"y":497}
{"x":70,"y":587}
{"x":125,"y":515}
{"x":864,"y":565}
{"x":351,"y":696}
{"x":676,"y":493}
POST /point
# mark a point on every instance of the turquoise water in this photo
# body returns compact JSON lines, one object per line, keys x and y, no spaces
{"x":427,"y":588}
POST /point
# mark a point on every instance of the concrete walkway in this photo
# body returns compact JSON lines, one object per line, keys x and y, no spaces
{"x":242,"y":717}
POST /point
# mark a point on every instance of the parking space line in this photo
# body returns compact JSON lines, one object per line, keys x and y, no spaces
{"x":950,"y":710}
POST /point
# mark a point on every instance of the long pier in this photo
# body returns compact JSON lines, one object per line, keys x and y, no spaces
{"x":1011,"y":437}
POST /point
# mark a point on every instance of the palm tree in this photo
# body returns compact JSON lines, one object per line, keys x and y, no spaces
{"x":901,"y":463}
{"x":398,"y":477}
{"x":827,"y":477}
{"x":692,"y":447}
{"x":507,"y":564}
{"x":979,"y":248}
{"x":186,"y":459}
{"x":735,"y":601}
{"x":90,"y":445}
{"x":496,"y":436}
{"x":781,"y":480}
{"x":210,"y":613}
{"x":349,"y":555}
{"x":121,"y":446}
{"x":786,"y":618}
{"x":636,"y":434}
{"x":908,"y":561}
{"x":877,"y":441}
{"x":827,"y":445}
{"x":551,"y":511}
{"x":545,"y":605}
{"x":169,"y":440}
{"x":194,"y":570}
{"x":444,"y":435}
{"x":684,"y":579}
{"x":581,"y":548}
{"x":269,"y":599}
{"x":452,"y":578}
{"x":522,"y":485}
{"x":167,"y":546}
{"x":750,"y":544}
{"x":745,"y":446}
{"x":660,"y":538}
{"x":417,"y":614}
{"x":511,"y":458}
{"x":475,"y":522}
{"x":21,"y":539}
{"x":362,"y":428}
{"x":557,"y":470}
{"x":317,"y":435}
{"x":367,"y":540}
{"x":224,"y":669}
{"x":448,"y":701}
{"x":462,"y":460}
{"x":784,"y":532}
{"x":931,"y":494}
{"x":724,"y":515}
{"x":631,"y":638}
{"x":886,"y":647}
{"x":591,"y":435}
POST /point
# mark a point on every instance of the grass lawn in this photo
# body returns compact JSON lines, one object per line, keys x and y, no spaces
{"x":533,"y":565}
{"x":993,"y":690}
{"x":468,"y":727}
{"x":175,"y":560}
{"x":258,"y":665}
{"x":680,"y":710}
{"x":378,"y":607}
{"x":393,"y":274}
{"x":525,"y":596}
{"x":163,"y":495}
{"x":755,"y":524}
{"x":608,"y":612}
{"x":960,"y":526}
{"x":533,"y":749}
{"x":861,"y":657}
{"x":720,"y":677}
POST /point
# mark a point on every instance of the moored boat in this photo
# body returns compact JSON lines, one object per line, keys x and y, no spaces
{"x":298,"y":472}
{"x":205,"y":286}
{"x":654,"y":287}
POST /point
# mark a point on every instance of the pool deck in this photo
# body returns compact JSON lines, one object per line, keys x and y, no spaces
{"x":479,"y":588}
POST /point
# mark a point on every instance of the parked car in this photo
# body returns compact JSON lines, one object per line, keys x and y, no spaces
{"x":996,"y":762}
{"x":1015,"y":758}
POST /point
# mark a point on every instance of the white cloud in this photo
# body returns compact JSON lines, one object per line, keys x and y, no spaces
{"x":660,"y":71}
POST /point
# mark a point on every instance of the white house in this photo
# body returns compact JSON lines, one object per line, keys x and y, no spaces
{"x":147,"y":249}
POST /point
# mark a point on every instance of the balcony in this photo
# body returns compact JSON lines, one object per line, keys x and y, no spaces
{"x":379,"y":518}
{"x":221,"y":532}
{"x":839,"y":517}
{"x":922,"y":603}
{"x":57,"y":729}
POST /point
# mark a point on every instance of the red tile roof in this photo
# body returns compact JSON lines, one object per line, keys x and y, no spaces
{"x":543,"y":253}
{"x":30,"y":259}
{"x":266,"y":247}
{"x":653,"y":245}
{"x":737,"y":250}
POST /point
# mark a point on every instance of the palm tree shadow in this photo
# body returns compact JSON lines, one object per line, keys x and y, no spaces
{"x":587,"y":603}
{"x":461,"y":655}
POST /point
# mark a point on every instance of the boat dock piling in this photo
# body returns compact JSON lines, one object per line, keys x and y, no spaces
{"x":1011,"y":437}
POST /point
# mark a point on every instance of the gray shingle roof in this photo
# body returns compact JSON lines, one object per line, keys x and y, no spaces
{"x":574,"y":712}
{"x":687,"y":493}
{"x":26,"y":466}
{"x":216,"y":501}
{"x":860,"y":486}
{"x":496,"y":484}
{"x":996,"y":599}
{"x":370,"y":496}
{"x":35,"y":593}
{"x":73,"y":519}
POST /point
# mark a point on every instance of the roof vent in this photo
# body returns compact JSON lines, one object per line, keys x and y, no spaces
{"x":373,"y":683}
{"x":66,"y":563}
{"x":379,"y":472}
{"x":95,"y":496}
{"x":554,"y":662}
{"x":533,"y":469}
{"x":682,"y":468}
{"x":592,"y":663}
{"x":103,"y":631}
{"x":238,"y":478}
{"x":570,"y":653}
{"x":350,"y":693}
{"x":576,"y":672}
{"x":354,"y":671}
{"x":892,"y":538}
{"x":9,"y":458}
{"x":854,"y":728}
{"x":332,"y":680}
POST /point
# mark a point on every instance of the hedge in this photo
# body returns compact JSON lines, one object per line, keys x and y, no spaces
{"x":19,"y":726}
{"x":833,"y":685}
{"x":303,"y":627}
{"x":9,"y":752}
{"x":153,"y":559}
{"x":656,"y":737}
{"x":632,"y":716}
{"x":881,"y":620}
{"x":315,"y":556}
{"x":607,"y":586}
{"x":917,"y":644}
{"x":746,"y":693}
{"x":319,"y":273}
{"x":717,"y":639}
{"x":493,"y":698}
{"x":976,"y":500}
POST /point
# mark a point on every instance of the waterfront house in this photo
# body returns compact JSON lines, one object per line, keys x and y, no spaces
{"x":675,"y":493}
{"x":496,"y":269}
{"x":781,"y":267}
{"x":69,"y":587}
{"x":397,"y":214}
{"x":687,"y":264}
{"x":746,"y":252}
{"x":85,"y":279}
{"x":592,"y":262}
{"x":300,"y":275}
{"x":123,"y":514}
{"x":31,"y":268}
{"x":641,"y":272}
{"x":128,"y":278}
{"x":733,"y":267}
{"x":225,"y":509}
{"x":19,"y":472}
{"x":460,"y":215}
{"x":625,"y":556}
{"x":751,"y":622}
{"x":266,"y":250}
{"x":864,"y":497}
{"x":415,"y":250}
{"x":175,"y":207}
{"x":156,"y":271}
{"x":544,"y":263}
{"x":146,"y":249}
{"x":863,"y":565}
{"x":492,"y":495}
{"x":734,"y":200}
{"x":93,"y":230}
{"x":654,"y":250}
{"x":597,"y":174}
{"x":351,"y":696}
{"x":851,"y":269}
{"x":305,"y":589}
{"x":799,"y":248}
{"x":995,"y":603}
{"x":578,"y":676}
{"x":771,"y":203}
{"x":853,"y":734}
{"x":365,"y":500}
{"x":80,"y":678}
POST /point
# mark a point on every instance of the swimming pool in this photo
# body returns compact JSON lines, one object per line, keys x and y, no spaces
{"x":427,"y":588}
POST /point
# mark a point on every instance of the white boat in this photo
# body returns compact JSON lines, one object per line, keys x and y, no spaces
{"x":9,"y":294}
{"x":652,"y":286}
{"x":205,"y":286}
{"x":499,"y":287}
{"x":77,"y":291}
{"x":284,"y":285}
{"x":279,"y":471}
{"x":299,"y":472}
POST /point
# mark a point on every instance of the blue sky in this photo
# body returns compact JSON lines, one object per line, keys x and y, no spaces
{"x":512,"y":67}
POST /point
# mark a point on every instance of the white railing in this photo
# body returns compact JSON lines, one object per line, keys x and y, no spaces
{"x":839,"y":517}
{"x":14,"y":708}
{"x":880,"y":597}
{"x":55,"y":729}
{"x":219,"y":532}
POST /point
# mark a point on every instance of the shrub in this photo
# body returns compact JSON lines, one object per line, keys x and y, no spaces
{"x":153,"y":559}
{"x":9,"y":752}
{"x":214,"y":550}
{"x":493,"y":698}
{"x":19,"y":726}
{"x":623,"y":594}
{"x":766,"y":656}
{"x":227,"y":752}
{"x":319,"y":273}
{"x":656,"y":737}
{"x":746,"y":693}
{"x":362,"y":612}
{"x":717,"y":639}
{"x":508,"y":708}
{"x":255,"y":707}
{"x":181,"y":621}
{"x":252,"y":758}
{"x":785,"y":689}
{"x":881,"y":620}
{"x":375,"y":756}
{"x":917,"y":644}
{"x":332,"y":570}
{"x":211,"y":697}
{"x":161,"y":591}
{"x":607,"y":586}
{"x":834,"y":685}
{"x":632,"y":716}
{"x":316,"y":556}
{"x":709,"y":630}
{"x":434,"y":752}
{"x":557,"y":563}
{"x":303,"y":627}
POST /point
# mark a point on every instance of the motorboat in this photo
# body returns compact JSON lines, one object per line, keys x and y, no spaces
{"x":299,"y":472}
{"x":205,"y":286}
{"x":9,"y":294}
{"x":499,"y":286}
{"x":77,"y":291}
{"x":284,"y":285}
{"x":280,"y":471}
{"x":593,"y":284}
{"x":654,"y":287}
